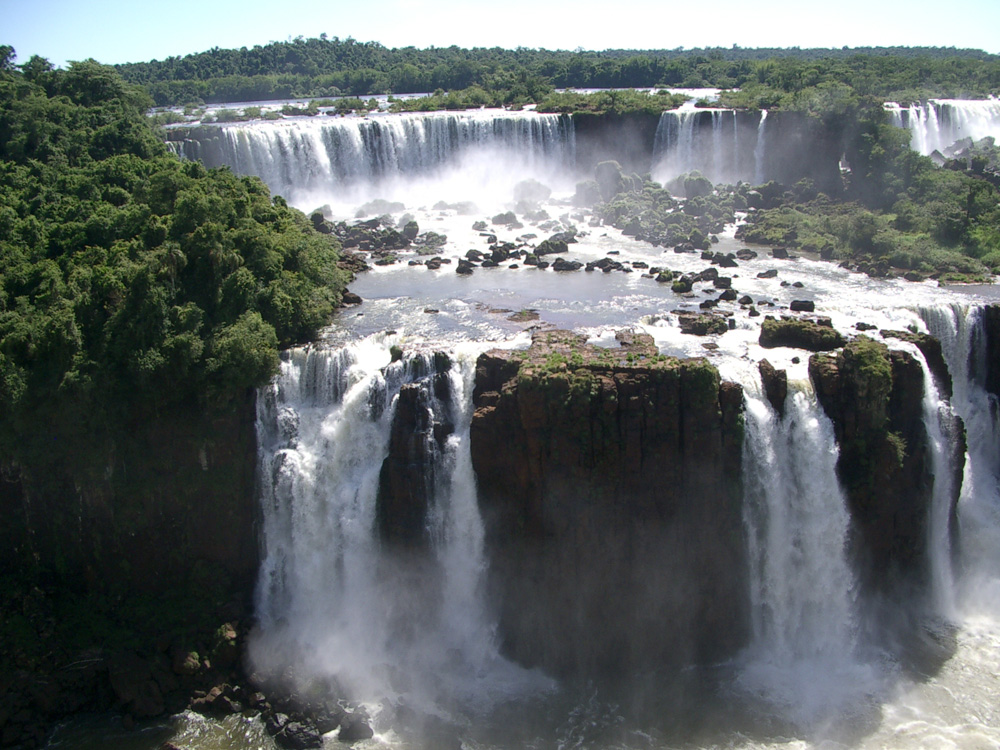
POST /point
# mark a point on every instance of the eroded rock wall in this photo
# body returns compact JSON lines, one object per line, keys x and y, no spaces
{"x":874,"y":397}
{"x":609,"y":482}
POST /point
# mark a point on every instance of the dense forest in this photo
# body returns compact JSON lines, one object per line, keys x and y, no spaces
{"x":132,"y":283}
{"x":332,"y":66}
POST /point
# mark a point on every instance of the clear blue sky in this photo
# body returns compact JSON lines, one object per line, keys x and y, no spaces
{"x":114,"y":31}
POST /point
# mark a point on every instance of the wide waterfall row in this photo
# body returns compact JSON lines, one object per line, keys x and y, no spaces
{"x":327,"y":155}
{"x":725,"y":145}
{"x":936,"y":125}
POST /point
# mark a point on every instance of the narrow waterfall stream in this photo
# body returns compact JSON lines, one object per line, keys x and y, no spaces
{"x":803,"y":660}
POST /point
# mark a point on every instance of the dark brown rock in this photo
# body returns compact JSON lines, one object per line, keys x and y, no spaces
{"x":799,"y":334}
{"x":874,"y":397}
{"x":775,"y":384}
{"x":613,"y":513}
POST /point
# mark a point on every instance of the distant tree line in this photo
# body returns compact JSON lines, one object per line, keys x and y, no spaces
{"x":333,"y":66}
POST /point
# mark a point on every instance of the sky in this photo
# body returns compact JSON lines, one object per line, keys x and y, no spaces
{"x":118,"y":31}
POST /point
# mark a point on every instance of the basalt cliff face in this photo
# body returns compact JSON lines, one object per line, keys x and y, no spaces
{"x":874,"y":397}
{"x":609,"y":483}
{"x":171,"y":501}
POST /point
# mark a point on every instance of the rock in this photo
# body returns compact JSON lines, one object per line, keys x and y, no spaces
{"x":780,"y":253}
{"x":775,"y":384}
{"x":608,"y":176}
{"x":404,"y":495}
{"x":768,"y":274}
{"x":799,"y":334}
{"x":561,"y":264}
{"x":702,"y":325}
{"x":133,"y":685}
{"x":725,"y":261}
{"x":350,"y":298}
{"x":722,"y":282}
{"x":545,"y":247}
{"x":300,"y":735}
{"x":746,"y":254}
{"x":616,"y":489}
{"x":930,"y":347}
{"x":507,"y":219}
{"x":410,"y":230}
{"x":464,"y":267}
{"x":728,"y":295}
{"x":874,"y":398}
{"x":746,"y":299}
{"x":682,"y":285}
{"x":709,"y":274}
{"x":354,"y":727}
{"x":802,"y":305}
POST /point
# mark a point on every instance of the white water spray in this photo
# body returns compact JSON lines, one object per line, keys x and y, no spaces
{"x":333,"y":601}
{"x":802,"y":660}
{"x":937,"y":124}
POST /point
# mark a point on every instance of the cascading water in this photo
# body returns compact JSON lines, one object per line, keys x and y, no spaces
{"x":961,"y":332}
{"x":940,"y":427}
{"x":802,"y":660}
{"x":937,"y":124}
{"x":306,"y":156}
{"x":334,"y":601}
{"x":709,"y":141}
{"x":760,"y":150}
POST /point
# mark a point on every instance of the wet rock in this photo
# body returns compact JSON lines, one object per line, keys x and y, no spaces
{"x":729,"y":295}
{"x":546,"y":247}
{"x":780,"y":253}
{"x":350,"y":298}
{"x":410,"y":230}
{"x":561,"y":264}
{"x":746,"y":254}
{"x":702,"y":325}
{"x":802,"y":305}
{"x":725,"y":261}
{"x":722,"y":282}
{"x":768,"y":274}
{"x":775,"y":384}
{"x":354,"y":727}
{"x":464,"y":267}
{"x":799,"y":334}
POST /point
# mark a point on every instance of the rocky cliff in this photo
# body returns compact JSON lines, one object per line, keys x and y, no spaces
{"x":874,"y":398}
{"x":609,"y":482}
{"x":172,"y":499}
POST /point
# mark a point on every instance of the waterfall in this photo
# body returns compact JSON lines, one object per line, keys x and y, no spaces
{"x":703,"y":140}
{"x":961,"y":331}
{"x":329,"y":155}
{"x":760,"y":150}
{"x":802,"y":658}
{"x":334,"y":601}
{"x":940,"y":426}
{"x":937,"y":124}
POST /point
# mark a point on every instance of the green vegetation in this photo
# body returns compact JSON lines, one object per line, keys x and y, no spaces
{"x":898,"y":209}
{"x":132,"y":283}
{"x":764,"y":77}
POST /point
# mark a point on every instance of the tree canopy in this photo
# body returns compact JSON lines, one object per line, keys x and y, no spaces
{"x":132,"y":282}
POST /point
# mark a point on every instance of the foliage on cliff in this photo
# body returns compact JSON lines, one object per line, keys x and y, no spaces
{"x":130,"y":282}
{"x":900,"y":209}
